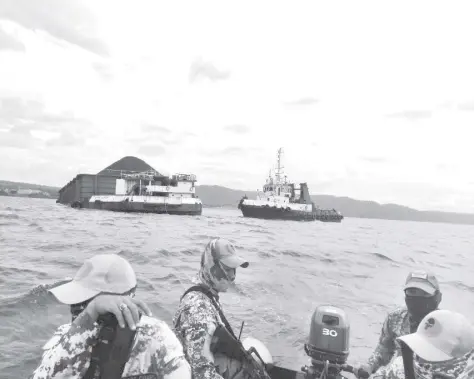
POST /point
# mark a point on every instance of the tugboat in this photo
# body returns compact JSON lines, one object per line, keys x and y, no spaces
{"x":282,"y":200}
{"x":149,"y":192}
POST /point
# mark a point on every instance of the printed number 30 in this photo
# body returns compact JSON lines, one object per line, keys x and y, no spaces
{"x":329,"y":332}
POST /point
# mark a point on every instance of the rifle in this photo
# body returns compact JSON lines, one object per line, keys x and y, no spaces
{"x":230,"y":346}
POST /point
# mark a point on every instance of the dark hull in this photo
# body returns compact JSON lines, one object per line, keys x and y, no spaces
{"x":125,"y":206}
{"x":270,"y":213}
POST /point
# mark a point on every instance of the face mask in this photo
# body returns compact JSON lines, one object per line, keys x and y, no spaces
{"x":76,"y":309}
{"x":419,"y":307}
{"x":220,"y":272}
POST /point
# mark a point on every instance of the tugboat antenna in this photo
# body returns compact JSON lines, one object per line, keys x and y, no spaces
{"x":279,"y":167}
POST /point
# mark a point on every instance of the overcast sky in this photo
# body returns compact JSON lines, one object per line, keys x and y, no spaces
{"x":372,"y":100}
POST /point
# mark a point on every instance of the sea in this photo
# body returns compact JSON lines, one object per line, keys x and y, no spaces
{"x":359,"y":265}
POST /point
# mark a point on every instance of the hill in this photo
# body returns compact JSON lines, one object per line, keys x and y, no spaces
{"x":217,"y":196}
{"x":125,"y":164}
{"x":27,"y":190}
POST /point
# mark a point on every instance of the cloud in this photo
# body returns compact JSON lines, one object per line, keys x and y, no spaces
{"x":12,"y":108}
{"x":29,"y":125}
{"x":303,"y":101}
{"x":66,"y":139}
{"x":374,"y":159}
{"x":237,"y":128}
{"x":412,"y":114}
{"x":18,"y":140}
{"x":153,"y":132}
{"x":152,"y":129}
{"x":233,"y":150}
{"x":104,"y":71}
{"x":29,"y":114}
{"x":236,"y":82}
{"x":151,"y":150}
{"x":200,"y":69}
{"x":466,"y":107}
{"x":66,"y":20}
{"x":8,"y":42}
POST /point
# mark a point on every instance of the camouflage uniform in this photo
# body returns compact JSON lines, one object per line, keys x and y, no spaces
{"x":460,"y":368}
{"x":156,"y":350}
{"x":468,"y":372}
{"x":195,"y":322}
{"x":396,"y":324}
{"x":445,"y":340}
{"x":394,"y":370}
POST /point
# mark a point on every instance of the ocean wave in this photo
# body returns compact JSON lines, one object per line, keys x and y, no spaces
{"x":294,"y":267}
{"x":9,"y":216}
{"x":382,"y":256}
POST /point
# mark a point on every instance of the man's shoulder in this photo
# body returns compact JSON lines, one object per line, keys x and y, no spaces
{"x":398,"y":315}
{"x":155,"y":337}
{"x":62,"y":330}
{"x":468,"y":372}
{"x":196,"y":302}
{"x":151,"y":327}
{"x":195,"y":297}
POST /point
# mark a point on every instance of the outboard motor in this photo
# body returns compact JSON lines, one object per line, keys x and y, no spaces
{"x":328,"y":342}
{"x":327,"y":346}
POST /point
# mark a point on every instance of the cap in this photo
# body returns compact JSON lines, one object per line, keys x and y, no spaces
{"x":441,"y":336}
{"x":101,"y":273}
{"x":225,"y":253}
{"x":422,"y":280}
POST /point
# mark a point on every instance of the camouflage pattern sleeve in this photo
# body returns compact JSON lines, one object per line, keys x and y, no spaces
{"x":197,"y":324}
{"x":394,"y":371}
{"x":64,"y":354}
{"x":457,"y":368}
{"x":386,"y":345}
{"x":468,"y":372}
{"x":454,"y":368}
{"x":157,"y":350}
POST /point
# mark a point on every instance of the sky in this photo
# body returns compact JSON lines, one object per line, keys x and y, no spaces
{"x":370,"y":99}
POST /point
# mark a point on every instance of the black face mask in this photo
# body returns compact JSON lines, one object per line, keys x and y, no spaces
{"x":76,"y":309}
{"x":419,"y":307}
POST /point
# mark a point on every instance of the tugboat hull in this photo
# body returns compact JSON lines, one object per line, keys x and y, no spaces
{"x":274,"y":213}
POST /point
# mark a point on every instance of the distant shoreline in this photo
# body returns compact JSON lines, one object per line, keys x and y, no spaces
{"x":213,"y":196}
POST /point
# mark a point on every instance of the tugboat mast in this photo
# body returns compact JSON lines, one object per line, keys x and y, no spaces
{"x":279,"y":167}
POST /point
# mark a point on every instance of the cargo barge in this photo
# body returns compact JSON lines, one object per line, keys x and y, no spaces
{"x":131,"y":185}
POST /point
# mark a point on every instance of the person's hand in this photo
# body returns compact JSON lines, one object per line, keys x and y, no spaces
{"x":363,"y":371}
{"x":125,"y":308}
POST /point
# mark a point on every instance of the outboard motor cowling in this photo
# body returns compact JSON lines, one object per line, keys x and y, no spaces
{"x":327,"y":346}
{"x":329,"y":335}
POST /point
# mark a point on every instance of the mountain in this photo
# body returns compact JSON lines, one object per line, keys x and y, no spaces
{"x":217,"y":196}
{"x":127,"y":164}
{"x":27,"y":190}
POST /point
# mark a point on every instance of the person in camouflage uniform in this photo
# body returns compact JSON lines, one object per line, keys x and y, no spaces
{"x":197,"y":316}
{"x":443,"y":345}
{"x":422,"y":295}
{"x":468,"y":372}
{"x":104,"y":284}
